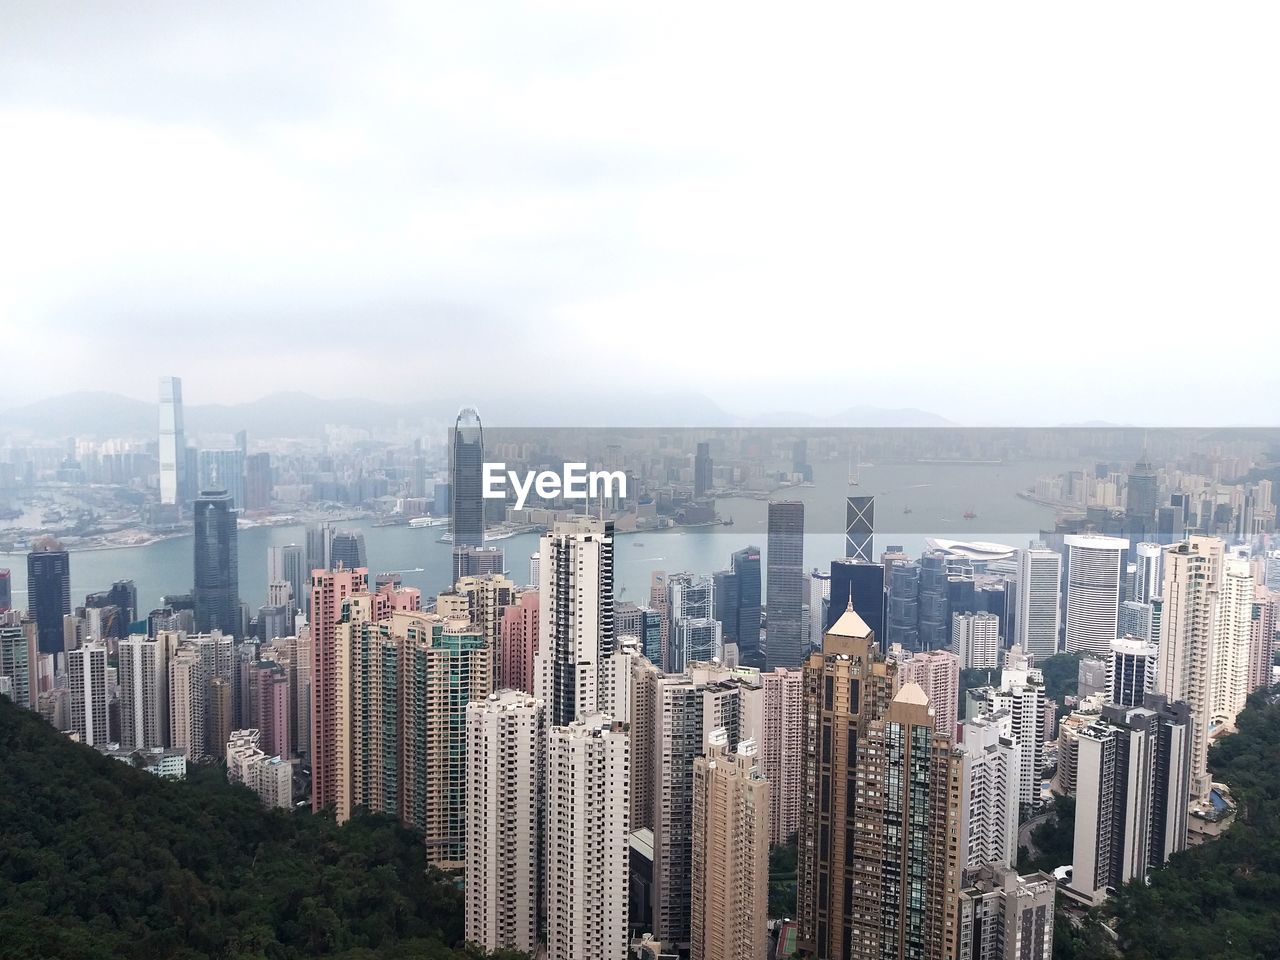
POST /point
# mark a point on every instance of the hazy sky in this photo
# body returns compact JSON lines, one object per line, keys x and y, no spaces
{"x":1001,"y":212}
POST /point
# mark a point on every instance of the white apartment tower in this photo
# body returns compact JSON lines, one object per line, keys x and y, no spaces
{"x":144,"y":690}
{"x":1095,"y":570}
{"x":782,"y":755}
{"x":1232,"y":641}
{"x":1131,"y":670}
{"x":506,"y":771}
{"x":90,"y":692}
{"x":1039,"y":613}
{"x":587,"y":840}
{"x":975,"y":640}
{"x":991,"y":790}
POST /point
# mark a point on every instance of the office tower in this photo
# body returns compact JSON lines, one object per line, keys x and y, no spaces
{"x":908,"y":853}
{"x":119,"y":604}
{"x":725,"y":592}
{"x":845,"y":686}
{"x":6,"y":590}
{"x":1039,"y":608}
{"x":975,"y":640}
{"x":1131,"y":670}
{"x":347,"y":549}
{"x":1192,"y":570}
{"x":990,"y":791}
{"x":257,"y":481}
{"x":17,"y":662}
{"x":935,"y":616}
{"x":575,"y":616}
{"x":863,"y":583}
{"x":330,"y":678}
{"x":1263,"y":636}
{"x":686,"y":710}
{"x":269,"y":776}
{"x":319,"y":544}
{"x":505,"y":782}
{"x":534,"y":560}
{"x":745,"y":564}
{"x":90,"y":693}
{"x":519,"y":641}
{"x":144,"y":690}
{"x":785,"y":645}
{"x":859,"y":529}
{"x":217,"y":568}
{"x":222,"y":470}
{"x":1138,"y":620}
{"x":694,"y":633}
{"x":658,"y":602}
{"x":1232,"y":635}
{"x":643,"y":623}
{"x":730,"y":877}
{"x":1004,"y":916}
{"x":174,"y":485}
{"x":1092,"y":676}
{"x":1147,"y":581}
{"x":48,"y":592}
{"x":702,"y":470}
{"x":587,"y":839}
{"x":466,"y":468}
{"x":903,"y":602}
{"x":782,"y":749}
{"x":1094,"y":568}
{"x":937,"y":673}
{"x":1131,"y":778}
{"x":1142,"y":493}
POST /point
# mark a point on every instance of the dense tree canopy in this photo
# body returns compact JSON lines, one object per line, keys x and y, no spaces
{"x":100,"y":860}
{"x":1220,"y":901}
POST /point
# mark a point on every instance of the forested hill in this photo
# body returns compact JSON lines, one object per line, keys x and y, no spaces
{"x":100,"y":860}
{"x":1220,"y":901}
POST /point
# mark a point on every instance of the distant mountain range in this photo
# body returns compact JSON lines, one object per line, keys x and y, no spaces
{"x":295,"y":414}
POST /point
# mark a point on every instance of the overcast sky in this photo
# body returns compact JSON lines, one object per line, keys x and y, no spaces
{"x":1000,"y":212}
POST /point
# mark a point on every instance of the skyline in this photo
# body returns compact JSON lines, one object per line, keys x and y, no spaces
{"x":581,"y":185}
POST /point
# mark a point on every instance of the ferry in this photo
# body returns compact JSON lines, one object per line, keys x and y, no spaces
{"x":418,"y":523}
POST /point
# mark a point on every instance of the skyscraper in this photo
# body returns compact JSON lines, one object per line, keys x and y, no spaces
{"x":863,"y":583}
{"x":1039,"y":607}
{"x":745,"y":564}
{"x":347,"y":548}
{"x":1131,"y":670}
{"x":587,"y":839}
{"x":782,"y":748}
{"x":1232,"y":635}
{"x":6,"y":590}
{"x":287,"y":563}
{"x":903,"y":606}
{"x":144,"y":690}
{"x":49,"y":592}
{"x":990,"y":791}
{"x":217,"y":564}
{"x":466,"y":468}
{"x":694,"y":634}
{"x":860,"y":528}
{"x":90,"y":694}
{"x":1147,"y":581}
{"x":222,"y":470}
{"x":519,"y":643}
{"x":18,"y":657}
{"x":318,"y":550}
{"x":975,"y":640}
{"x":702,"y":470}
{"x":937,"y":673}
{"x":1142,"y":495}
{"x":730,"y":884}
{"x":330,"y":679}
{"x":575,"y":616}
{"x":1004,"y":916}
{"x":174,"y":485}
{"x":785,"y":643}
{"x":506,"y":792}
{"x":257,"y":481}
{"x":1192,"y":570}
{"x":1095,"y":569}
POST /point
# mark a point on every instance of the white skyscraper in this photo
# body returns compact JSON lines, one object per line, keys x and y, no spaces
{"x":991,"y":791}
{"x":975,"y":640}
{"x":575,"y":616}
{"x":1231,"y":642}
{"x":1095,"y":569}
{"x":1038,"y":609}
{"x":506,"y":771}
{"x":144,"y":690}
{"x":173,"y":442}
{"x":694,"y":633}
{"x":1131,"y":670}
{"x":1192,"y":570}
{"x":1148,"y":581}
{"x":588,"y":840}
{"x":90,"y":692}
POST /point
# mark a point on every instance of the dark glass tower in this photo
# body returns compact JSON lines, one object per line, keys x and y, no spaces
{"x":785,"y":643}
{"x":348,"y":549}
{"x":859,"y":529}
{"x":466,"y":469}
{"x":49,"y":592}
{"x":903,"y":620}
{"x":217,"y":567}
{"x":864,"y":582}
{"x":702,"y":470}
{"x":745,"y":564}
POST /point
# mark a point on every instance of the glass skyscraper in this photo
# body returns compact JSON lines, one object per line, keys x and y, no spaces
{"x":49,"y":592}
{"x":217,"y":568}
{"x":466,"y":467}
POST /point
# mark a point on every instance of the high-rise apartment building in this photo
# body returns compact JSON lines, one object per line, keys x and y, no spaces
{"x":587,"y":840}
{"x":1004,"y":916}
{"x":782,"y":749}
{"x":975,"y":640}
{"x":330,"y":686}
{"x":990,"y":791}
{"x":1095,"y":571}
{"x":1232,"y":639}
{"x":217,"y":565}
{"x":18,"y":657}
{"x":144,"y":690}
{"x":90,"y":693}
{"x":1147,"y":579}
{"x":785,"y":643}
{"x":1192,"y":570}
{"x":729,"y":899}
{"x":506,"y":793}
{"x":575,"y":616}
{"x":1039,"y":602}
{"x":1131,"y":670}
{"x":519,"y":641}
{"x":937,"y":673}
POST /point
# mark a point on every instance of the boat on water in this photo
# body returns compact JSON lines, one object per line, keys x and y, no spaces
{"x":970,"y":515}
